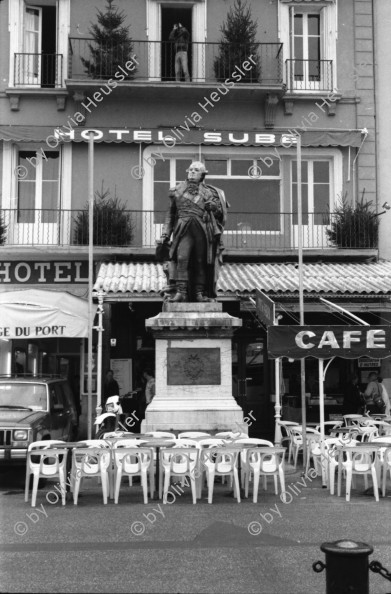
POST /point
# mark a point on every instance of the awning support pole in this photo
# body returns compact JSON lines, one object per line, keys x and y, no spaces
{"x":321,"y":416}
{"x":345,"y":311}
{"x":90,"y":276}
{"x":99,"y":353}
{"x":277,"y":406}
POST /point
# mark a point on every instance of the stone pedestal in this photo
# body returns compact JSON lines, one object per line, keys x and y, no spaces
{"x":193,"y":369}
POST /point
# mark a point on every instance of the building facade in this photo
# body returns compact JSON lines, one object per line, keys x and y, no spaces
{"x":309,"y":73}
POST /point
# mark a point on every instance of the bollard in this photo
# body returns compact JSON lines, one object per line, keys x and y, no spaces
{"x":347,"y":567}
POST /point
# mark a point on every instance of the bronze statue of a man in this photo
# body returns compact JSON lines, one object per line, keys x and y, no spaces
{"x":195,"y":219}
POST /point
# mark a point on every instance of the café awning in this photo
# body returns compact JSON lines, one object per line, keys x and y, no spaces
{"x":35,"y":313}
{"x":186,"y":136}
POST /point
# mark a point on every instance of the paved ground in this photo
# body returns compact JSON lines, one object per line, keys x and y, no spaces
{"x":181,"y":547}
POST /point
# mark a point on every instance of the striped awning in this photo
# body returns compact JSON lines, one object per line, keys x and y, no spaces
{"x":185,"y":136}
{"x":146,"y":280}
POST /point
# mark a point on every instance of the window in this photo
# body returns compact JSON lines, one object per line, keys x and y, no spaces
{"x":252,"y":189}
{"x":309,"y":34}
{"x":160,"y":18}
{"x":38,"y":43}
{"x":38,"y":186}
{"x":260,"y":185}
{"x":315,"y":184}
{"x":57,"y":397}
{"x":37,"y":194}
{"x":306,"y":48}
{"x":316,"y":201}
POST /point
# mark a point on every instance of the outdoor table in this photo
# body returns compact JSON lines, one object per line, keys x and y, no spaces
{"x":157,"y":443}
{"x":337,"y":430}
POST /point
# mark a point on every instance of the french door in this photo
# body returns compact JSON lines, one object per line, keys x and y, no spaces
{"x":32,"y":43}
{"x":315,"y":186}
{"x":306,"y":65}
{"x":38,"y":198}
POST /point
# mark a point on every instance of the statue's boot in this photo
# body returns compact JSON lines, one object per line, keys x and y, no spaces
{"x":181,"y":294}
{"x":200,"y":297}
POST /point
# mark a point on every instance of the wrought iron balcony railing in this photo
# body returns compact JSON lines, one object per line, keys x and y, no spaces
{"x":207,"y":62}
{"x":38,"y":70}
{"x":141,"y":229}
{"x":309,"y":75}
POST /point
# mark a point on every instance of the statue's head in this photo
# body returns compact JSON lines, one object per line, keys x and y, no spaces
{"x":196,"y":172}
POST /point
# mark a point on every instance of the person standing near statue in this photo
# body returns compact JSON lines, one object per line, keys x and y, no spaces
{"x":180,"y":36}
{"x":196,"y":218}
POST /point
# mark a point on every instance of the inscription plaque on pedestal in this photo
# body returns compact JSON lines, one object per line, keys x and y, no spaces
{"x":192,"y":366}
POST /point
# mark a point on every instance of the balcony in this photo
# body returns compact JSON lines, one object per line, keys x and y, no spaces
{"x":38,"y":70}
{"x":87,"y":68}
{"x":137,"y":231}
{"x":309,"y":76}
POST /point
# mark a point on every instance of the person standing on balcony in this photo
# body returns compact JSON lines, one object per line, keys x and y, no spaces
{"x":195,"y":218}
{"x":180,"y":36}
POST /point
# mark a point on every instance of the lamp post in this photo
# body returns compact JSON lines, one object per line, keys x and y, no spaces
{"x":301,"y":296}
{"x":90,"y":276}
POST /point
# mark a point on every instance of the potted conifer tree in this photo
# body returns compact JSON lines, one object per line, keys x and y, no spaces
{"x":113,"y":224}
{"x":3,"y":230}
{"x":112,"y":46}
{"x":354,"y":225}
{"x":237,"y":44}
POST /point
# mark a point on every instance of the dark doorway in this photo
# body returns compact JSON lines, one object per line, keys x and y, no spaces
{"x":49,"y":65}
{"x":170,"y":16}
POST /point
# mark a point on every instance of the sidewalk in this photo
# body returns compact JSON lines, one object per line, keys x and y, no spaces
{"x":268,"y":547}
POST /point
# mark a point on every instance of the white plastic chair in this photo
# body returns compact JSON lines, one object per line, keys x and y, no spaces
{"x":333,"y":451}
{"x":221,"y":462}
{"x":91,"y":462}
{"x":131,"y":462}
{"x":211,"y":442}
{"x":297,"y":440}
{"x":243,"y":453}
{"x":367,"y":433}
{"x":132,"y":443}
{"x":48,"y":465}
{"x":381,"y":467}
{"x":179,"y":462}
{"x":37,"y":445}
{"x":265,"y":462}
{"x":286,"y":426}
{"x":360,"y":460}
{"x":386,"y":467}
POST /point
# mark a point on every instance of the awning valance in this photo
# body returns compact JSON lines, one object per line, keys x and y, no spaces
{"x":36,"y":314}
{"x":177,"y":136}
{"x":323,"y":342}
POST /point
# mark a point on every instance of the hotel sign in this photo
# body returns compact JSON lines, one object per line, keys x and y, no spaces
{"x":44,"y":273}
